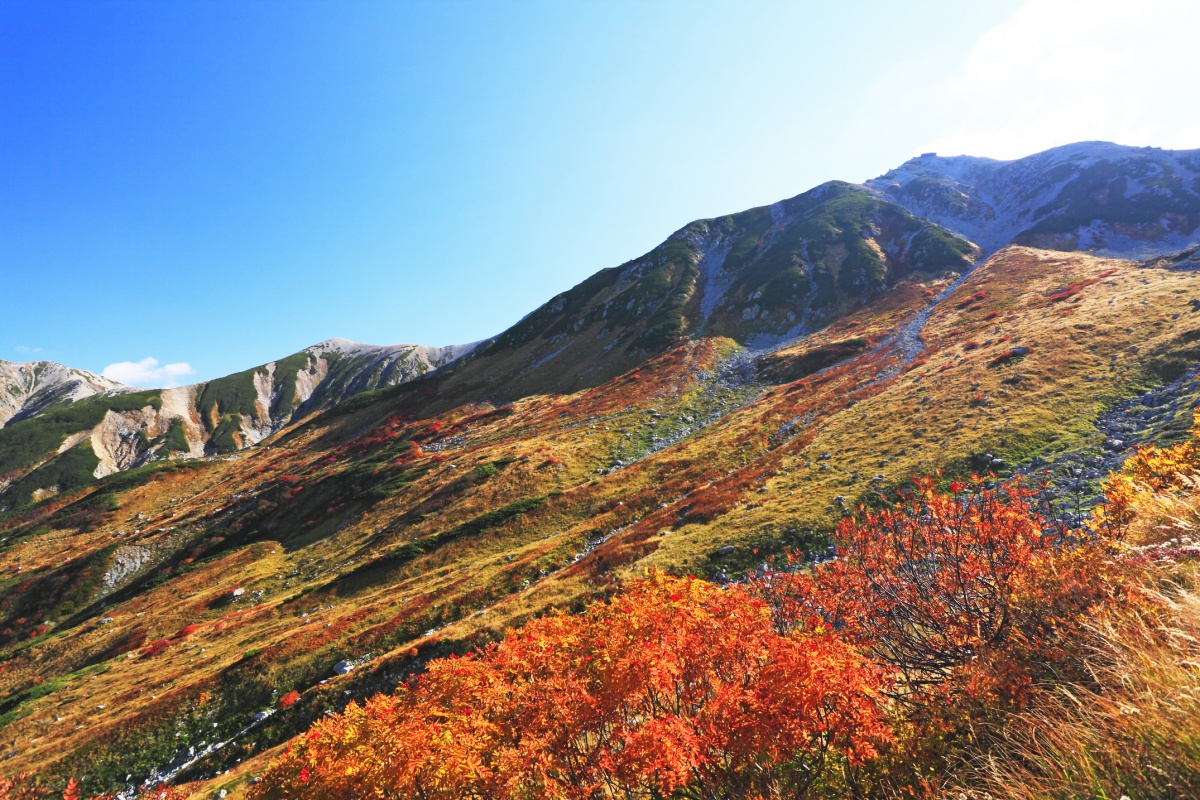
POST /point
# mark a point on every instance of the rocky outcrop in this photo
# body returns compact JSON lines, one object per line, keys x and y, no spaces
{"x":29,"y":388}
{"x":125,"y":428}
{"x":1129,"y":202}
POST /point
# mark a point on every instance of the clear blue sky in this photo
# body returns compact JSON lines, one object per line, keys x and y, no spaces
{"x":222,"y":184}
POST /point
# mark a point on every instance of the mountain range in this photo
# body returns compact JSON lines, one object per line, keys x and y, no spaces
{"x":179,"y":559}
{"x":78,"y":426}
{"x":759,"y":277}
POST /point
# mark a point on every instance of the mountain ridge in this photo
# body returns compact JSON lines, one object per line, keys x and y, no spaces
{"x":28,"y":387}
{"x":105,"y":427}
{"x":1115,"y":200}
{"x":185,"y":619}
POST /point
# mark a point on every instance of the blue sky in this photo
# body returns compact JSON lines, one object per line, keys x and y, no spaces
{"x":213,"y":185}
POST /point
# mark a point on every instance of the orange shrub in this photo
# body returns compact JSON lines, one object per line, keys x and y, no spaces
{"x":929,"y":583}
{"x":673,"y":687}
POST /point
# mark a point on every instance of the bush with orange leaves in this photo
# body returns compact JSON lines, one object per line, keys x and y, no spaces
{"x":975,"y":598}
{"x":940,"y":579}
{"x":928,"y":583}
{"x":1154,"y":500}
{"x":674,"y":687}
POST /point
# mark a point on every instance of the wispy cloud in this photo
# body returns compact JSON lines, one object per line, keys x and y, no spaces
{"x":25,"y":350}
{"x":147,"y":372}
{"x":1060,"y":71}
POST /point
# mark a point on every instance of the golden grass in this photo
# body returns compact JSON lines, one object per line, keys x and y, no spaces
{"x":1134,"y":732}
{"x":893,"y":430}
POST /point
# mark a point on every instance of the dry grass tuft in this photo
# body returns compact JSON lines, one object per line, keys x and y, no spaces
{"x":1133,"y":732}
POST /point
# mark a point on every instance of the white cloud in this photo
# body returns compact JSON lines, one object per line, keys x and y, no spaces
{"x":147,"y":372}
{"x":25,"y":350}
{"x":1060,"y":71}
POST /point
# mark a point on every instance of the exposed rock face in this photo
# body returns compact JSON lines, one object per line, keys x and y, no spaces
{"x":125,"y":428}
{"x":1131,"y":202}
{"x":28,"y":388}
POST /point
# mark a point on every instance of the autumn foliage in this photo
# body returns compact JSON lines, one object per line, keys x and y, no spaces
{"x":940,"y":622}
{"x":929,"y":583}
{"x":673,"y":687}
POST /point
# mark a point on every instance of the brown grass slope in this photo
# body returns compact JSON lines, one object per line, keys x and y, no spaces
{"x":380,"y":537}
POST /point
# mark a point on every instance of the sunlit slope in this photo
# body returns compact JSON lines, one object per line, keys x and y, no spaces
{"x":758,"y":277}
{"x":369,"y":532}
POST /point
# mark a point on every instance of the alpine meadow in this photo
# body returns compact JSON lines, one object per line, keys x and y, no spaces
{"x":887,"y":489}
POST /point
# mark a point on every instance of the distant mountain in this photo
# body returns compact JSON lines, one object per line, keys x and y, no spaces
{"x":720,"y":401}
{"x":1132,"y":202}
{"x":71,"y":426}
{"x":759,"y":277}
{"x":28,"y":388}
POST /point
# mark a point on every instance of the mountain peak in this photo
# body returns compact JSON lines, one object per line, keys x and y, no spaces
{"x":27,"y":387}
{"x":1111,"y":199}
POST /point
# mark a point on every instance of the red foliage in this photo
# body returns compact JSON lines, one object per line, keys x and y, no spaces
{"x":972,"y":302}
{"x":1009,"y":355}
{"x":705,"y":505}
{"x":971,"y":345}
{"x":672,"y":688}
{"x":156,"y":647}
{"x":991,"y":315}
{"x":1071,"y":289}
{"x":929,"y":583}
{"x":289,"y":699}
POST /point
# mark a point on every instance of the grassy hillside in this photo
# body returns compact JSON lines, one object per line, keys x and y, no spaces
{"x":186,"y":602}
{"x":760,"y":275}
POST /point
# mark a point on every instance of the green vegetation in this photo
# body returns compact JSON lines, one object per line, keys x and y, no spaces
{"x":225,"y":437}
{"x":828,"y":239}
{"x":27,"y":442}
{"x":485,"y":471}
{"x":412,"y":550}
{"x":175,"y":439}
{"x":791,"y":368}
{"x":70,"y":470}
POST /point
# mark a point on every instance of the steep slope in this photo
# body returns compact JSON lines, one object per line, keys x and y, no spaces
{"x":758,"y":277}
{"x":184,"y":619}
{"x":68,"y":444}
{"x":172,"y":607}
{"x":27,"y":389}
{"x":1132,"y":202}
